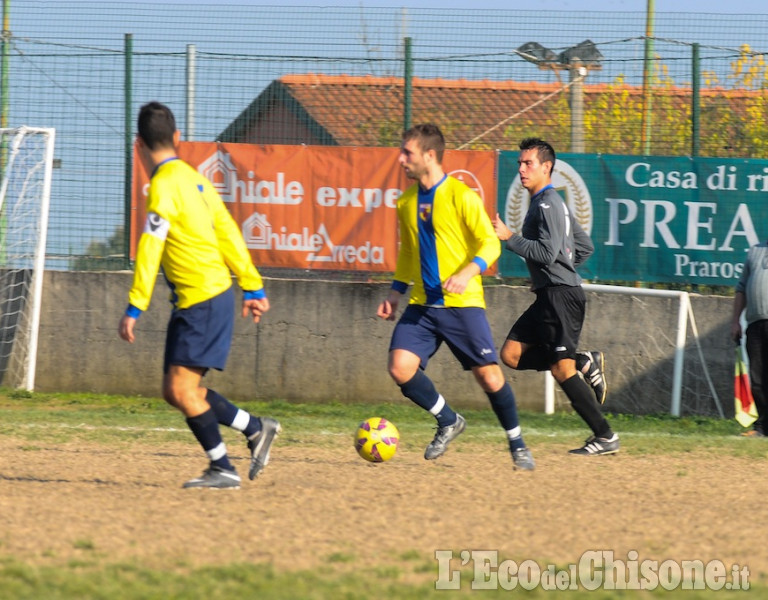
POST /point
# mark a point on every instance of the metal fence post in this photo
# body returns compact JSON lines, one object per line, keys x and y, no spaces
{"x":408,"y":87}
{"x":189,"y":130}
{"x":128,"y":140}
{"x":695,"y":100}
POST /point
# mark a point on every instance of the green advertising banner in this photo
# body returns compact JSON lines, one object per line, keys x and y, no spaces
{"x":652,"y":219}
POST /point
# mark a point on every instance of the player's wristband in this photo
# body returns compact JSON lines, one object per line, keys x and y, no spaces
{"x":399,"y":286}
{"x":133,"y":312}
{"x":254,"y":295}
{"x":480,"y":263}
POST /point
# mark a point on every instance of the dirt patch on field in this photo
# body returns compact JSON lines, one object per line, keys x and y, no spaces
{"x":121,"y":505}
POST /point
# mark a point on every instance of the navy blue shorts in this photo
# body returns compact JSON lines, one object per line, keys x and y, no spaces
{"x":422,"y":329}
{"x":554,"y":321}
{"x":201,"y":335}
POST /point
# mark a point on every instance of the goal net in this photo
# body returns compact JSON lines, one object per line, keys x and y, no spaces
{"x":26,"y":163}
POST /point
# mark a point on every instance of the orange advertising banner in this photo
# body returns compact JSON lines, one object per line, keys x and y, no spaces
{"x":314,"y":207}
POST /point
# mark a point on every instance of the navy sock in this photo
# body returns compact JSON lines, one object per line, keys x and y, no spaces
{"x":505,"y":407}
{"x":205,"y":427}
{"x":230,"y":415}
{"x":421,"y":390}
{"x":583,"y":401}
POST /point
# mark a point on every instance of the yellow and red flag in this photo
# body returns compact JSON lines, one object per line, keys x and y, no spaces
{"x":746,"y":412}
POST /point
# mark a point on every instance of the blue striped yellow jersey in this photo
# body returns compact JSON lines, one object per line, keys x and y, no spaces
{"x":441,"y":231}
{"x":190,"y":234}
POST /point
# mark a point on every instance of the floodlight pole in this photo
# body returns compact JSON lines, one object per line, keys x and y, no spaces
{"x":577,"y":74}
{"x":577,"y":67}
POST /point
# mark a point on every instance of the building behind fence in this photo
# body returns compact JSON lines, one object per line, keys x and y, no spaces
{"x":697,"y":86}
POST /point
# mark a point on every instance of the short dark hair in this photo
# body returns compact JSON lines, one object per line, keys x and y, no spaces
{"x":156,"y":125}
{"x":544,"y":150}
{"x":429,"y":137}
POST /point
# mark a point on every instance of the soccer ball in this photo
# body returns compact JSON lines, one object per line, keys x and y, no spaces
{"x":376,"y":439}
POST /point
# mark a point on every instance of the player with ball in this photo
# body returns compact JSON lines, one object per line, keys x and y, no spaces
{"x":446,"y":242}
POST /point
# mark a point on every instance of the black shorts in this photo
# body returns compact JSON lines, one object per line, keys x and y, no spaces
{"x":554,"y":321}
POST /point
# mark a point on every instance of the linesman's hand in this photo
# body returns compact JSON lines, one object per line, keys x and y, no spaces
{"x":255,"y":308}
{"x":736,"y":332}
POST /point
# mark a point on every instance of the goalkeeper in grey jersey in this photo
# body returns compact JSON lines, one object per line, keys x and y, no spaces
{"x":546,"y":335}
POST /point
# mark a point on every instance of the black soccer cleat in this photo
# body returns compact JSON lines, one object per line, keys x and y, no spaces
{"x":595,"y":446}
{"x":592,"y":366}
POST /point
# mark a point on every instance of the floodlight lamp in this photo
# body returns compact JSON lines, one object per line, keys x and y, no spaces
{"x":584,"y":53}
{"x":536,"y":53}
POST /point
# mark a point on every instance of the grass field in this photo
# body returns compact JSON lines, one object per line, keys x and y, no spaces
{"x":91,"y":504}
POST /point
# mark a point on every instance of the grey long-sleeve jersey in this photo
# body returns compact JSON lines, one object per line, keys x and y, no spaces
{"x":552,"y":242}
{"x":754,"y":283}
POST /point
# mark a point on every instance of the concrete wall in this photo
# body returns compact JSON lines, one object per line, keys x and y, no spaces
{"x":322,"y":341}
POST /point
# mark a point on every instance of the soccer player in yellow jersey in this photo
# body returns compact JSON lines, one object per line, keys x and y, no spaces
{"x":446,"y":242}
{"x":191,"y":235}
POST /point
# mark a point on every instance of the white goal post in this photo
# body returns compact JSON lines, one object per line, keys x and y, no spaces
{"x":26,"y":167}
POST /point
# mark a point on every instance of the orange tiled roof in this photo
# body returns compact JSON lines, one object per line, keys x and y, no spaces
{"x":350,"y":110}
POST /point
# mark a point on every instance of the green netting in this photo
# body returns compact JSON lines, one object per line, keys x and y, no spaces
{"x":67,"y":69}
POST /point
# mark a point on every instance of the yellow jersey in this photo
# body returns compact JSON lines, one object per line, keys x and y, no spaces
{"x":441,"y":231}
{"x":190,"y":234}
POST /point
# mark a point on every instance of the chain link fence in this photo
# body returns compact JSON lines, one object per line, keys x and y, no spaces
{"x":84,"y":68}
